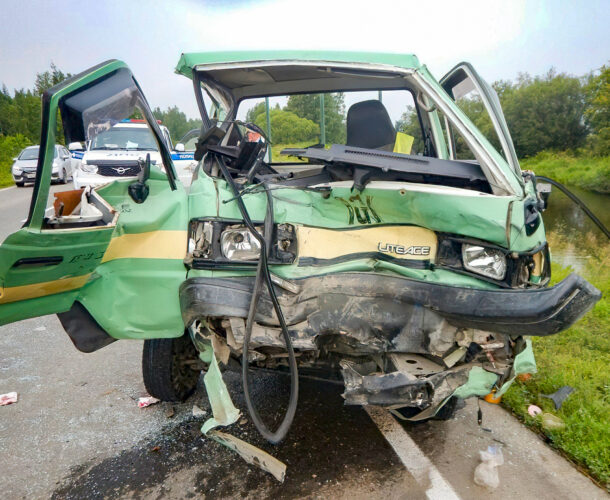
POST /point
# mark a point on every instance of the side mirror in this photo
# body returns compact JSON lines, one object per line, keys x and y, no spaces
{"x":15,"y":159}
{"x":139,"y":189}
{"x":544,"y":192}
{"x":179,"y":147}
{"x":75,"y":146}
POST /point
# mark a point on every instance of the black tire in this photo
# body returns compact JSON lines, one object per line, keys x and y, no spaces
{"x":167,"y":368}
{"x":20,"y":184}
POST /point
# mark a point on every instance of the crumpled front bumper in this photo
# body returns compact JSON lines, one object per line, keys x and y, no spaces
{"x":370,"y":304}
{"x":401,"y":342}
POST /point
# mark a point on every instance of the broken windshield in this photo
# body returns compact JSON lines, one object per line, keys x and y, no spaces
{"x":372,"y":119}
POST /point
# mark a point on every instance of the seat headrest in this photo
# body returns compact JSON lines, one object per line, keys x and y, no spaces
{"x":369,"y":126}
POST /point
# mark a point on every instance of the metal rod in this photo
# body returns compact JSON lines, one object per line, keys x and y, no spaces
{"x":268,"y":127}
{"x":322,"y":121}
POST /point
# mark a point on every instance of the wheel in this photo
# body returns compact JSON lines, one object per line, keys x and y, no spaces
{"x":20,"y":184}
{"x":64,"y":177}
{"x":170,"y":368}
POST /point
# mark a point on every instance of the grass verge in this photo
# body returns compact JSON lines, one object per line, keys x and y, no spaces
{"x":586,"y":172}
{"x":580,"y":358}
{"x":276,"y":148}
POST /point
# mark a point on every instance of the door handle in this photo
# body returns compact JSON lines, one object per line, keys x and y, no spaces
{"x":30,"y":262}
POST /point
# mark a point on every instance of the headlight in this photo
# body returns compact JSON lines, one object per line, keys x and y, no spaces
{"x":239,"y":244}
{"x":485,"y":261}
{"x":92,"y":169}
{"x":16,"y":170}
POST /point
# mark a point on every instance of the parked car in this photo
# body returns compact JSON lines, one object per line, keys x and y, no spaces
{"x":414,"y":269}
{"x":118,"y":152}
{"x":24,"y":166}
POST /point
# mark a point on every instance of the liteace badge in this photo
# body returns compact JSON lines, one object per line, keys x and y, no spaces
{"x":402,"y":250}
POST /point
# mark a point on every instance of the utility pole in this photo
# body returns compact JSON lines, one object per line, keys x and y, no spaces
{"x":322,"y":121}
{"x":268,"y":127}
{"x":379,"y":96}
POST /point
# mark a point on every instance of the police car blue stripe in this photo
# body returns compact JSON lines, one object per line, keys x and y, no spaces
{"x":183,"y":156}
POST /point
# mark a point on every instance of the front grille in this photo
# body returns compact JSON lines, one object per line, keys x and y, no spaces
{"x":117,"y":168}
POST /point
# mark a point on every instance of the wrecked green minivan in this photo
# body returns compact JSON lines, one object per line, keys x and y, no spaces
{"x":411,"y":269}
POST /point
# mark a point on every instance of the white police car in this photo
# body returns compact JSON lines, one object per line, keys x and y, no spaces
{"x":117,"y":153}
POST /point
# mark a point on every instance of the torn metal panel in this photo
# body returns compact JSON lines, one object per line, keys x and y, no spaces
{"x":252,"y":454}
{"x":364,"y":384}
{"x":224,"y":412}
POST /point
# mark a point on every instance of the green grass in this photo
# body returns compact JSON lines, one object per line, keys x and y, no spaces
{"x":586,"y":172}
{"x":276,"y":148}
{"x":578,"y":357}
{"x":6,"y":179}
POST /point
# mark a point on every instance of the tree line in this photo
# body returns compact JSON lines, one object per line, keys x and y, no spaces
{"x":555,"y":111}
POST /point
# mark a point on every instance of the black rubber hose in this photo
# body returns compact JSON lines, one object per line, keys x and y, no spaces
{"x":578,"y":201}
{"x":262,"y":271}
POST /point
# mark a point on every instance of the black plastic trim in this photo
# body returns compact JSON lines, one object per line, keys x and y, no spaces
{"x":543,"y":311}
{"x":85,"y":333}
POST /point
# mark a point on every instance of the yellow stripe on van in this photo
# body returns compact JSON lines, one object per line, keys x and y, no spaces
{"x":150,"y":245}
{"x":35,"y":290}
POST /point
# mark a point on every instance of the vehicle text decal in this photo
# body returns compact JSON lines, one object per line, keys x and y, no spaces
{"x":402,"y":250}
{"x":361,"y":210}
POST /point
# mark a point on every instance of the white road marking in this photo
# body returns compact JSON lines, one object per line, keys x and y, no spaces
{"x":6,"y":189}
{"x":418,"y":464}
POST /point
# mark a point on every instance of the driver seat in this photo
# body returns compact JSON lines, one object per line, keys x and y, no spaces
{"x":369,"y":126}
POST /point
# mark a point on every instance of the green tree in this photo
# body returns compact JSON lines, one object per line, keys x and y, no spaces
{"x":254,"y":111}
{"x":597,"y":111}
{"x":176,"y":121}
{"x":287,"y":127}
{"x":21,"y":113}
{"x":308,"y":106}
{"x":545,"y":113}
{"x":48,"y":79}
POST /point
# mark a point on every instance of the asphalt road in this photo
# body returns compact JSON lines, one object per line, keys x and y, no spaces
{"x":76,"y":432}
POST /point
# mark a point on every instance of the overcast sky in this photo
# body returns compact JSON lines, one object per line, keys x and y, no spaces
{"x":501,"y":38}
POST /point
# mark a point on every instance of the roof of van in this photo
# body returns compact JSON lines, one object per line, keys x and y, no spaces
{"x":192,"y":60}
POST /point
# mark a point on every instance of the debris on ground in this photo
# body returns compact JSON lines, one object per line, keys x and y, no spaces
{"x":198,"y":412}
{"x":524,"y":377}
{"x":155,"y":449}
{"x":559,"y":396}
{"x":8,"y":398}
{"x":534,"y":410}
{"x":147,"y":401}
{"x":170,"y":412}
{"x":491,"y":398}
{"x":486,"y":473}
{"x":225,"y":414}
{"x":552,"y":422}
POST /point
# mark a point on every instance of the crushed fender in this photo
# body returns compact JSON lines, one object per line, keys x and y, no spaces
{"x":224,"y":414}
